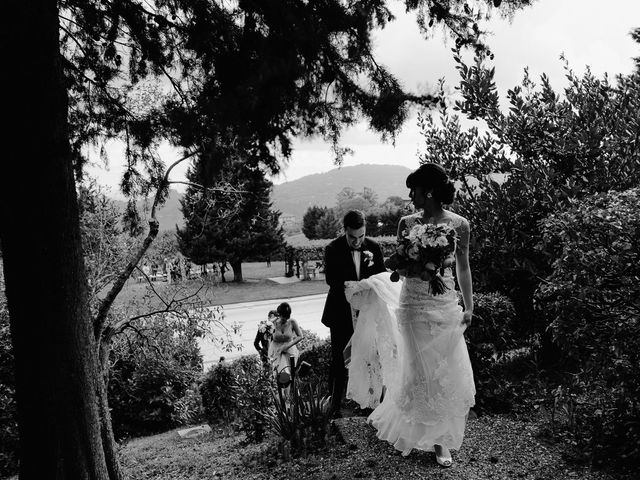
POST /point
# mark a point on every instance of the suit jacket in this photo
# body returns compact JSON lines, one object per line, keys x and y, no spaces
{"x":338,"y":268}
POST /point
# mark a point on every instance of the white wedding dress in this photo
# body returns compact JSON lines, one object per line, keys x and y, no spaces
{"x":411,"y":342}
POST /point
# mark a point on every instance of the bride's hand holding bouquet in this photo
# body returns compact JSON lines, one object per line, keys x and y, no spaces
{"x":424,"y":251}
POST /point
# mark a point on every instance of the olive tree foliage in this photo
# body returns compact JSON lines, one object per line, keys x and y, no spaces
{"x":148,"y":341}
{"x":529,"y":161}
{"x":105,"y":245}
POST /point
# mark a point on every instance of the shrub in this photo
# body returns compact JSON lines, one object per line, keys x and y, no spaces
{"x":318,"y":355}
{"x":591,"y":303}
{"x":217,"y":384}
{"x":236,"y":392}
{"x":302,"y":420}
{"x":152,"y":387}
{"x":243,"y":390}
{"x":8,"y":412}
{"x":500,"y":360}
{"x":252,"y":395}
{"x":495,"y":324}
{"x":309,"y":339}
{"x":535,"y":156}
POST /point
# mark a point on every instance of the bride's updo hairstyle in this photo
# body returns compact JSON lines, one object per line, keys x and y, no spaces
{"x":431,"y":176}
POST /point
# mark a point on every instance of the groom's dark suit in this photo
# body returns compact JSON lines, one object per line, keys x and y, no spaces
{"x":339,"y":267}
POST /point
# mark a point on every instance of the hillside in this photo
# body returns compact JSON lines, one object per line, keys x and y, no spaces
{"x":293,"y":198}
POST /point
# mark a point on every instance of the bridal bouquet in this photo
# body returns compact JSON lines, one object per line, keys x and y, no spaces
{"x":266,"y":328}
{"x":424,"y":251}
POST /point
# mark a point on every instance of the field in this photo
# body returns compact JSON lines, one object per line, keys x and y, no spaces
{"x":256,"y":286}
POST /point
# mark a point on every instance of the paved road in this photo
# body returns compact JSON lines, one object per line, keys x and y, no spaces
{"x":306,"y":310}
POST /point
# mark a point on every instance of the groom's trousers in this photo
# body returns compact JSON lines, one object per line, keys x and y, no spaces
{"x":338,"y":373}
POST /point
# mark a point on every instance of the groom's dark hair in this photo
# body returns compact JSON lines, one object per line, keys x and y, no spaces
{"x":353,"y":219}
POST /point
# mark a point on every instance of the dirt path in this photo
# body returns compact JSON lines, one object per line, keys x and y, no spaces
{"x":494,"y":448}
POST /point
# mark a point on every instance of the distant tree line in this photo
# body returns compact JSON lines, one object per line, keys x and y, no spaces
{"x":382,"y":218}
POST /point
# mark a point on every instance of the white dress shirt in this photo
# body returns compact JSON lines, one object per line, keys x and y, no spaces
{"x":355,"y":255}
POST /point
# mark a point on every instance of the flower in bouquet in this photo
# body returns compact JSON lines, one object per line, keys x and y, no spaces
{"x":265,"y":327}
{"x":424,"y":250}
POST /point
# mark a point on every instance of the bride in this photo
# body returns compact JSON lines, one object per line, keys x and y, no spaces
{"x":410,"y":342}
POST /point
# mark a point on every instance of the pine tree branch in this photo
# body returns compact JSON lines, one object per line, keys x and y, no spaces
{"x":176,"y":86}
{"x":102,"y":88}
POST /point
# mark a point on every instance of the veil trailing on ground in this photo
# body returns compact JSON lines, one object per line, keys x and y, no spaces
{"x":372,"y":353}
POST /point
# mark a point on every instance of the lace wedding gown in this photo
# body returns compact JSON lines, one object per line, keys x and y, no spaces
{"x":422,"y":360}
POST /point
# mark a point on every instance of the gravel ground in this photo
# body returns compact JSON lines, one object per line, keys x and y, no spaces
{"x":495,"y":447}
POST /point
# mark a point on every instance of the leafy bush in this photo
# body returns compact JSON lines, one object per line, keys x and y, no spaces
{"x":318,"y":355}
{"x":217,"y":402}
{"x":243,"y":390}
{"x":546,"y":149}
{"x":592,"y":303}
{"x":252,"y":395}
{"x":236,"y":392}
{"x":500,"y":361}
{"x":8,"y":412}
{"x":495,"y":323}
{"x":309,"y":339}
{"x":314,"y":249}
{"x":154,"y":372}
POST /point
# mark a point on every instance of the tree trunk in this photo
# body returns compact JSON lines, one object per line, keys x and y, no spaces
{"x":57,"y":376}
{"x":108,"y":439}
{"x":236,"y":266}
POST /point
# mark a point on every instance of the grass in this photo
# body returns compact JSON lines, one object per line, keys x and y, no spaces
{"x":255,"y":287}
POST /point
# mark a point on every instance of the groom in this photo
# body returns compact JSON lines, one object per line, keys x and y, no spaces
{"x":351,"y":256}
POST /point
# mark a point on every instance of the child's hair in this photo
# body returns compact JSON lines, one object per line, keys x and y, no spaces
{"x":272,"y":313}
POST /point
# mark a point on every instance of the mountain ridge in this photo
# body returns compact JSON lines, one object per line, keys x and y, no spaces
{"x":321,"y":189}
{"x":293,"y":198}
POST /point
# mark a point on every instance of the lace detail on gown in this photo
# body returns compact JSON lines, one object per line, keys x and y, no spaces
{"x":373,"y":362}
{"x":430,"y":402}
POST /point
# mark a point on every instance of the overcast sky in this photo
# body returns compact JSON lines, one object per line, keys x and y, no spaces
{"x":588,"y":32}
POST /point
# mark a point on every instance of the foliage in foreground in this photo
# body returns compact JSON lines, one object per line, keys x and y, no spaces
{"x":592,"y":303}
{"x":300,"y":419}
{"x":502,"y":362}
{"x":153,"y":378}
{"x":234,"y":393}
{"x":545,"y":150}
{"x":241,"y":392}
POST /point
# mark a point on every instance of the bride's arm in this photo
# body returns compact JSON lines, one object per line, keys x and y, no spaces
{"x":463,"y":270}
{"x":297,"y":336}
{"x":389,"y":262}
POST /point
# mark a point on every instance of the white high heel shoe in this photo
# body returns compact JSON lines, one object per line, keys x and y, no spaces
{"x":445,"y":459}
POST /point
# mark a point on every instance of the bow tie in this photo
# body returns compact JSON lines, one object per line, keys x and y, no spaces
{"x":356,"y":249}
